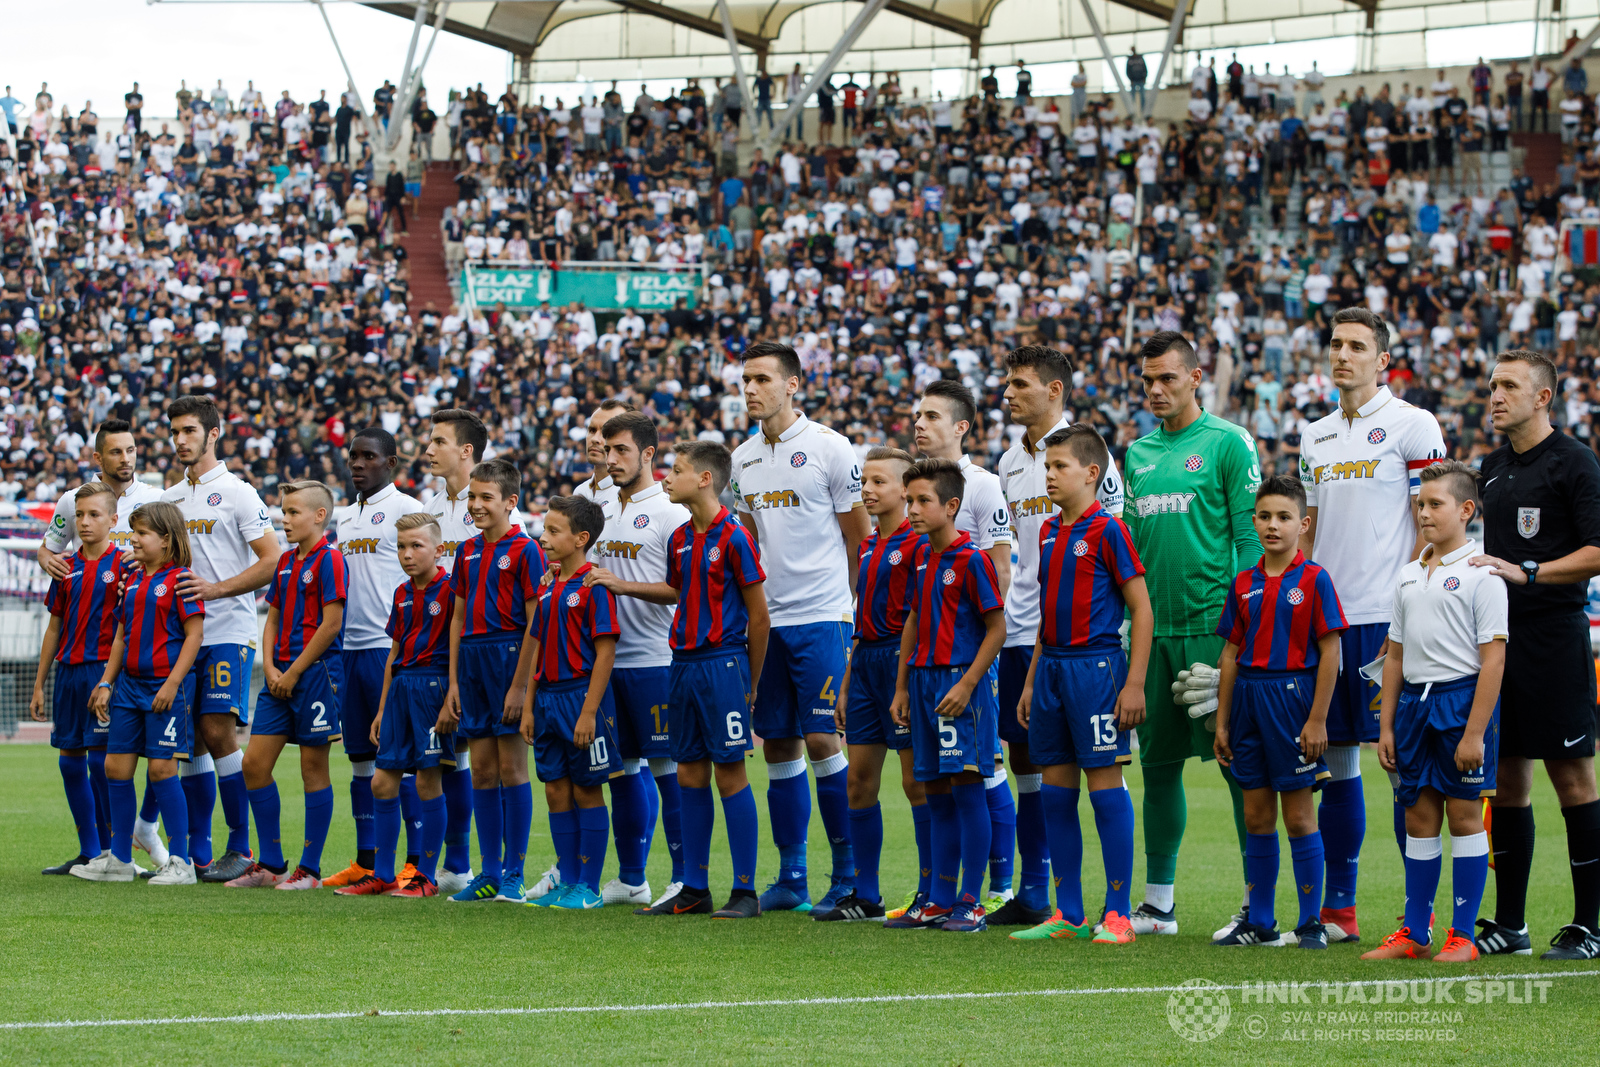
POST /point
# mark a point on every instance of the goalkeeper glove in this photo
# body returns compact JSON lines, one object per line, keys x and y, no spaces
{"x":1196,"y":690}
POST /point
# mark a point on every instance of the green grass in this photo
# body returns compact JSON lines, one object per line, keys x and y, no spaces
{"x":82,"y":951}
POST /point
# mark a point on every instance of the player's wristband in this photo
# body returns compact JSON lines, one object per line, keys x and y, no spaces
{"x":103,"y":685}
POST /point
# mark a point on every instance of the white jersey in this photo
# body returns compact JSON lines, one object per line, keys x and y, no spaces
{"x":1441,"y":618}
{"x":983,"y":515}
{"x":224,"y":514}
{"x":634,"y":548}
{"x":1022,"y":476}
{"x":794,"y":488}
{"x":62,"y":536}
{"x":371,"y":552}
{"x":455,"y":522}
{"x":605,"y":493}
{"x":1360,"y":474}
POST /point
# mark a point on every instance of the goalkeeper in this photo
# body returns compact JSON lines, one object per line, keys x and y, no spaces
{"x":1191,"y":491}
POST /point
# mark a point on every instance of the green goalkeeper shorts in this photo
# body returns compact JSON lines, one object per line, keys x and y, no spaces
{"x":1168,"y":735}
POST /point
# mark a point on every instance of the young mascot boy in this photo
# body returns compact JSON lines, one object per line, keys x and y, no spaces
{"x":1440,"y":725}
{"x":305,"y":681}
{"x":1083,"y":694}
{"x":719,"y":640}
{"x":415,"y":678}
{"x":953,"y":631}
{"x":1281,"y":621}
{"x":569,"y":718}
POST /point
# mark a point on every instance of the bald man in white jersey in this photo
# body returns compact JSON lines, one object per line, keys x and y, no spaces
{"x":798,"y":490}
{"x":235,"y":553}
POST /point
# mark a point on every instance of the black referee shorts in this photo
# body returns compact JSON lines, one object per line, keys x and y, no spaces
{"x":1547,"y":697}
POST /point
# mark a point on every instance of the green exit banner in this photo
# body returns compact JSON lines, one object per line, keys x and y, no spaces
{"x":526,"y":289}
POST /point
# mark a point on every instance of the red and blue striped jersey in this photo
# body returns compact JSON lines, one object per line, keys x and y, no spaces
{"x":710,"y":571}
{"x":299,"y":590}
{"x":951,"y":591}
{"x":882,"y":581}
{"x":566,"y":621}
{"x":1081,"y":573}
{"x":496,"y":580}
{"x":152,"y":615}
{"x":419,"y":622}
{"x":86,"y":604}
{"x":1276,"y":622}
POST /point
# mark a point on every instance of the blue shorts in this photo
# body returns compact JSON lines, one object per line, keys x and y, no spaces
{"x":222,"y":681}
{"x":874,"y":669}
{"x":556,"y":708}
{"x":1428,"y":724}
{"x":406,"y":741}
{"x":1269,"y":710}
{"x":800,"y":679}
{"x":485,"y":668}
{"x":363,"y":690}
{"x":311,"y":714}
{"x":640,"y":695}
{"x":941,"y":747}
{"x":1074,"y":713}
{"x":707,"y":710}
{"x":137,"y":730}
{"x":1353,"y":713}
{"x":72,"y":724}
{"x":1011,"y":666}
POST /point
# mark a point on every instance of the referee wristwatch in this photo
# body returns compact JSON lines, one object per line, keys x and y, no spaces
{"x":1531,"y":569}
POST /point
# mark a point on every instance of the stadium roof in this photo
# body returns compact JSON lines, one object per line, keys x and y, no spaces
{"x":613,"y":38}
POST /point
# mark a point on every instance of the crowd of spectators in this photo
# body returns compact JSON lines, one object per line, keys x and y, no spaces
{"x":251,"y":249}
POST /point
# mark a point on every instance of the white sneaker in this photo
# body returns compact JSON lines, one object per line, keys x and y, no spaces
{"x":105,"y":868}
{"x":545,"y":885}
{"x":617,"y":891}
{"x":1242,"y":915}
{"x":1149,"y":919}
{"x":450,"y":883}
{"x":175,"y":872}
{"x":147,"y":838}
{"x":673,"y":889}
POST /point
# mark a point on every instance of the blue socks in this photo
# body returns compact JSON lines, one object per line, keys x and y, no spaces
{"x":789,"y":808}
{"x":1066,"y":847}
{"x":743,"y":832}
{"x":1469,"y":870}
{"x":564,"y":833}
{"x":364,"y":811}
{"x":1400,"y":827}
{"x":457,"y":820}
{"x":410,"y":813}
{"x":267,"y":810}
{"x":973,"y":811}
{"x":148,"y":812}
{"x":518,"y":825}
{"x":199,"y":789}
{"x":319,"y":816}
{"x":102,"y":799}
{"x":945,"y":839}
{"x":433,"y":820}
{"x":630,"y":808}
{"x":1261,"y":877}
{"x":1113,"y":820}
{"x":1003,"y":831}
{"x":235,"y":802}
{"x":594,"y":831}
{"x":1310,"y":862}
{"x":386,"y":816}
{"x":1033,"y":843}
{"x":80,"y":801}
{"x":1342,"y":821}
{"x":922,"y":826}
{"x":124,"y":801}
{"x":866,"y":836}
{"x":175,"y":814}
{"x":833,"y":801}
{"x":1424,"y":860}
{"x":486,"y":808}
{"x":698,"y":820}
{"x":672,"y":819}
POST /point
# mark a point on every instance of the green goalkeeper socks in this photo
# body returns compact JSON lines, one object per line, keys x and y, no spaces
{"x":1166,"y":813}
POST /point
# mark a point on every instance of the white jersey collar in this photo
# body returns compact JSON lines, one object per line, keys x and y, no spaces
{"x":800,"y":422}
{"x":649,"y":492}
{"x":1468,"y":549}
{"x":208,"y":477}
{"x":1371,"y":407}
{"x":1038,"y":446}
{"x":379,"y":497}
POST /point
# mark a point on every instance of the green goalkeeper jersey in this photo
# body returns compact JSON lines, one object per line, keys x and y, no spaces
{"x":1184,"y":490}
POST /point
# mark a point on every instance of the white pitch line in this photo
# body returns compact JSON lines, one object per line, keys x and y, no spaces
{"x":892,"y":998}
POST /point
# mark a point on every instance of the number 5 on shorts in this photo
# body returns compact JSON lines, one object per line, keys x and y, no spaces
{"x":947,"y":735}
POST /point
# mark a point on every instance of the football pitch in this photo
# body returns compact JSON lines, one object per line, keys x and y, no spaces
{"x":118,"y":973}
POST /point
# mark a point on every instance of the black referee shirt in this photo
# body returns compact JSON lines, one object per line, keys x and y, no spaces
{"x":1540,"y":505}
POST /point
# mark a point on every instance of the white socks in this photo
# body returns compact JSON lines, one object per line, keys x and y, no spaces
{"x":788,"y":769}
{"x":1344,"y":761}
{"x":199,"y":765}
{"x":834,"y":764}
{"x":1158,"y":896}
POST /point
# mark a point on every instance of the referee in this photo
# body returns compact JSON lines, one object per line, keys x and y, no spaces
{"x":1541,"y":530}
